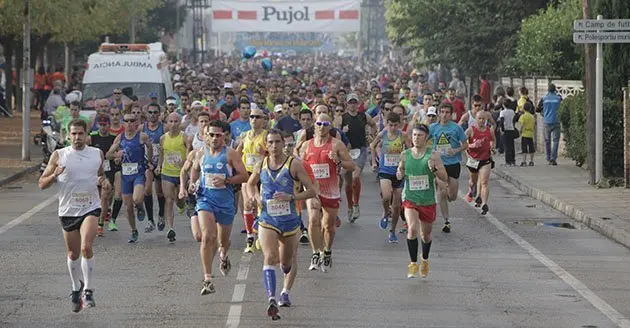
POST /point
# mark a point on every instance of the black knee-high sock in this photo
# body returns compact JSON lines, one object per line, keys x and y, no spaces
{"x":116,"y":209}
{"x":148,"y":206}
{"x":161,"y":201}
{"x":426,"y":248}
{"x":412,"y":245}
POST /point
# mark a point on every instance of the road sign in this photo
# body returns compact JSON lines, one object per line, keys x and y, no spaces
{"x":601,"y":37}
{"x":604,"y":25}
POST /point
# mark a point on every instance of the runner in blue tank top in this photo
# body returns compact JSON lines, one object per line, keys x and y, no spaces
{"x":129,"y":148}
{"x":279,"y":175}
{"x":392,"y":143}
{"x":155,"y":129}
{"x":216,"y":168}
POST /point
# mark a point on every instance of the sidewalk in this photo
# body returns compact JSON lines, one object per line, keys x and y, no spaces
{"x":11,"y":165}
{"x":565,"y":187}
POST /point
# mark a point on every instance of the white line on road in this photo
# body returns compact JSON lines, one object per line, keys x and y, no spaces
{"x":576,"y":284}
{"x":234,"y":314}
{"x":29,"y":213}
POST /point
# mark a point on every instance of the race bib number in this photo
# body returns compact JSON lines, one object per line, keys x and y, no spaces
{"x":321,"y":171}
{"x":472,"y":163}
{"x":129,"y":168}
{"x":443,"y":149}
{"x":106,"y":166}
{"x":81,"y":199}
{"x":355,"y":153}
{"x":210,"y":176}
{"x":417,"y":183}
{"x":156,"y":149}
{"x":251,"y":159}
{"x":392,"y":159}
{"x":174,"y":159}
{"x":278,"y":207}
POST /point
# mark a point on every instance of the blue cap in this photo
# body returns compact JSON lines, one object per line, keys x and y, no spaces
{"x":153,"y":95}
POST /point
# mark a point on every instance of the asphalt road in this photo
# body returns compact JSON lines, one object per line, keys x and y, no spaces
{"x":488,"y":272}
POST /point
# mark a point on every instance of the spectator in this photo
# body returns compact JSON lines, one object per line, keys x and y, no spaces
{"x":549,"y":105}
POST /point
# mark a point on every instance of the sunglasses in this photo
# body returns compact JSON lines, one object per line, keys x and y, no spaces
{"x":129,"y":121}
{"x":290,"y":144}
{"x":214,"y":135}
{"x":153,"y":112}
{"x":323,"y":123}
{"x":293,"y":105}
{"x":255,"y":116}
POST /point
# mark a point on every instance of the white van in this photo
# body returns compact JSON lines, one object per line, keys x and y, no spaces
{"x":141,"y":67}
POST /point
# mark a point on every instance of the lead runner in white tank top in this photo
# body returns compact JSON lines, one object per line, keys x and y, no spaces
{"x":78,"y":191}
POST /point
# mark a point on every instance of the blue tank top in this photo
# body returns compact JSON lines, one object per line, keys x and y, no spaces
{"x":272,"y":181}
{"x":133,"y":152}
{"x":212,"y":166}
{"x":94,"y":126}
{"x":390,"y":153}
{"x":154,"y":136}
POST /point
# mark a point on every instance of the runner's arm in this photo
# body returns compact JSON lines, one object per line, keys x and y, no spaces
{"x":183,"y":174}
{"x":144,"y":138}
{"x":252,"y":183}
{"x":463,"y":119}
{"x":437,"y":167}
{"x":344,"y":156}
{"x":50,"y":173}
{"x":400,"y":171}
{"x":111,"y":153}
{"x":237,"y":165}
{"x":298,"y":144}
{"x":161,"y":154}
{"x":297,"y":170}
{"x":195,"y":171}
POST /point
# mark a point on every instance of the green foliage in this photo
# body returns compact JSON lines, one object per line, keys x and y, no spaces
{"x":573,"y":119}
{"x":545,"y":43}
{"x":472,"y":35}
{"x":616,"y":56}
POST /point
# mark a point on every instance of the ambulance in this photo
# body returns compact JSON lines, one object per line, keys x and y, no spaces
{"x":137,"y":69}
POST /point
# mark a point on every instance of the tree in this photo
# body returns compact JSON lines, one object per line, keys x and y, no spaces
{"x":616,"y":56}
{"x":545,"y":43}
{"x":474,"y":36}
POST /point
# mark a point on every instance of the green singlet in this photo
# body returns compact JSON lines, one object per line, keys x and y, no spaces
{"x":419,"y":180}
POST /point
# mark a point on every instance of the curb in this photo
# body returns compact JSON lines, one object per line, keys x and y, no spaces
{"x":598,"y":224}
{"x":19,"y":174}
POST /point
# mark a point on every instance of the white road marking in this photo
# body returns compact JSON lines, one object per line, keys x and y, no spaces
{"x":234,"y":314}
{"x":603,"y":307}
{"x":29,"y":213}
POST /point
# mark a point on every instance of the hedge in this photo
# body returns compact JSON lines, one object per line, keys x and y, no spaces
{"x":573,"y":120}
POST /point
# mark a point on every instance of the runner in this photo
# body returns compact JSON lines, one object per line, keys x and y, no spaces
{"x":253,"y":148}
{"x":450,"y":140}
{"x":217,"y":168}
{"x":173,"y":148}
{"x":103,"y":140}
{"x":354,"y":125}
{"x":129,"y":147}
{"x":322,"y":155}
{"x":419,"y":168}
{"x":197,"y":143}
{"x":79,"y":170}
{"x":280,"y":177}
{"x":155,"y":129}
{"x":393,"y":141}
{"x":481,"y":145}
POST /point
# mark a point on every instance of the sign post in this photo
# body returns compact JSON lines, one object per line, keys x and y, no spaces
{"x":600,"y":31}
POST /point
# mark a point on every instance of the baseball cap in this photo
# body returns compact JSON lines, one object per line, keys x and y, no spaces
{"x":277,"y":108}
{"x":432,"y":111}
{"x":153,"y":95}
{"x":352,"y":96}
{"x":227,"y":86}
{"x":196,"y":103}
{"x":102,"y":119}
{"x":171,"y":101}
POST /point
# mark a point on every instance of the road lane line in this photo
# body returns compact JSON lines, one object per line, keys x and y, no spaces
{"x":29,"y":213}
{"x":234,"y":314}
{"x":603,"y":307}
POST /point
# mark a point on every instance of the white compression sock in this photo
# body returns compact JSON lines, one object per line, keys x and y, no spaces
{"x":87,"y":265}
{"x":75,"y":273}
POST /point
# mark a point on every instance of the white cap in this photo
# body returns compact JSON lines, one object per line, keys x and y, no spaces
{"x":432,"y":111}
{"x":171,"y":101}
{"x":196,"y":103}
{"x":277,"y":108}
{"x":228,"y":85}
{"x":177,"y":77}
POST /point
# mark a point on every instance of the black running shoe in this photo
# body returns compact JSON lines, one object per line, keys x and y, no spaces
{"x":272,"y":310}
{"x":88,"y":298}
{"x":77,"y":301}
{"x":484,"y":209}
{"x":447,"y":227}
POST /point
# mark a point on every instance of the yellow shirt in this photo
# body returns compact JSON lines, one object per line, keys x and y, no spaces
{"x":528,"y":121}
{"x":174,"y":155}
{"x":254,"y":149}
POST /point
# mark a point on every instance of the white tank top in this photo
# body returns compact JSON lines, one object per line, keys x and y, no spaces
{"x":471,"y":119}
{"x":196,"y":143}
{"x":78,"y":191}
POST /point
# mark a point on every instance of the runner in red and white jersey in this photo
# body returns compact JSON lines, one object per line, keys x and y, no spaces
{"x":321,"y":156}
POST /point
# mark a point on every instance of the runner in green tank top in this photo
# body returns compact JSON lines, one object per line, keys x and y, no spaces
{"x":419,"y":168}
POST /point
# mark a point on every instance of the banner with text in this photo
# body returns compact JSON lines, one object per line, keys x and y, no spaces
{"x":271,"y":16}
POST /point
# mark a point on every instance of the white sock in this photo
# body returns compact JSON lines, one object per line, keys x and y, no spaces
{"x":285,"y":291}
{"x":75,"y":274}
{"x":87,"y":265}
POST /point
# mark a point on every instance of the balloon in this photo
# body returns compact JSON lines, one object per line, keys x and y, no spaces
{"x":266,"y":64}
{"x":249,"y":52}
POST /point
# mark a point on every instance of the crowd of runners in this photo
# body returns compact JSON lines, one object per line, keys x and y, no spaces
{"x":277,"y":148}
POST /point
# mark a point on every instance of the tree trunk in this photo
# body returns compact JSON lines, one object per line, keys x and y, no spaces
{"x":9,"y":46}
